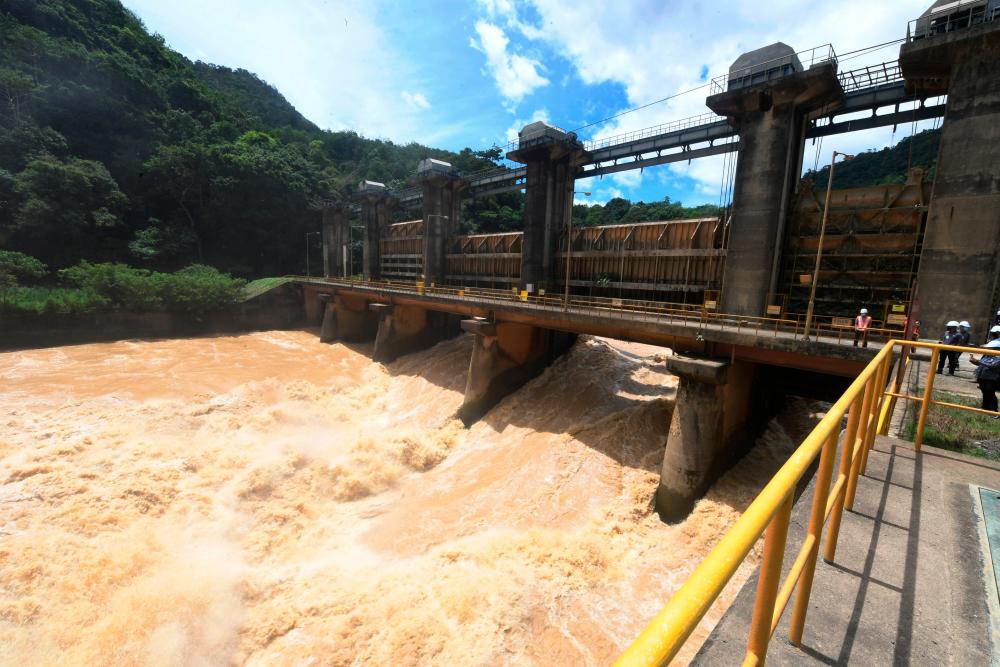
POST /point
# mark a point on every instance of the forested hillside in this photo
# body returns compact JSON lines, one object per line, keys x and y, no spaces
{"x":888,"y":165}
{"x":115,"y":147}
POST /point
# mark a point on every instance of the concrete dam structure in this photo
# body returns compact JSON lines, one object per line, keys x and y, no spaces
{"x":722,"y":293}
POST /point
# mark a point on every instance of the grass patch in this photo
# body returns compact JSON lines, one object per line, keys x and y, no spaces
{"x":957,"y":430}
{"x":257,"y":287}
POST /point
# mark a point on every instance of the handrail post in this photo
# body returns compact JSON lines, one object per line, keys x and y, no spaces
{"x":877,"y":398}
{"x":767,"y":583}
{"x":853,"y":417}
{"x":862,"y":436}
{"x":816,"y":520}
{"x":918,"y":437}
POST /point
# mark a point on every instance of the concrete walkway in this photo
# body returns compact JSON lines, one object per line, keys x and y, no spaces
{"x":908,"y":585}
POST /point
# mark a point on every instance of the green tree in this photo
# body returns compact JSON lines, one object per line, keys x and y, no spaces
{"x":14,"y":265}
{"x":67,"y":207}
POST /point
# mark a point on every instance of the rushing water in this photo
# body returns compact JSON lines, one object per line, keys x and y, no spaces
{"x":265,"y":499}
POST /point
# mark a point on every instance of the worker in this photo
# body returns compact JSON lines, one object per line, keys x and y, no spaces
{"x":964,"y":338}
{"x":988,"y":371}
{"x":950,"y":337}
{"x":861,"y":325}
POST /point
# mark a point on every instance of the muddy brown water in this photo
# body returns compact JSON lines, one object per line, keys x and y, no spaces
{"x":264,"y":499}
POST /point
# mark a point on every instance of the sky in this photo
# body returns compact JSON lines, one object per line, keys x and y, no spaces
{"x":471,"y":74}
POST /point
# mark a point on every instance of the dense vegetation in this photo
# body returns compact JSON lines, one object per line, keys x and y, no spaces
{"x":193,"y":291}
{"x":888,"y":165}
{"x":113,"y":147}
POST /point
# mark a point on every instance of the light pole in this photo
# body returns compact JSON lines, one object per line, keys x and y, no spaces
{"x":308,"y":234}
{"x":819,"y":247}
{"x":569,"y":249}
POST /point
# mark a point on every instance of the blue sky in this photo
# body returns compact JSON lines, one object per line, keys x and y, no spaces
{"x":456,"y":74}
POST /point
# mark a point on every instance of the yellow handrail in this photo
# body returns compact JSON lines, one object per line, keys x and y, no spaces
{"x":864,"y":402}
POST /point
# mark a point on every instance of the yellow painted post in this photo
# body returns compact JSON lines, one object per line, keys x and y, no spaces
{"x":816,"y":518}
{"x":918,"y":437}
{"x":767,"y":584}
{"x":877,"y":399}
{"x":845,"y":470}
{"x":852,"y":479}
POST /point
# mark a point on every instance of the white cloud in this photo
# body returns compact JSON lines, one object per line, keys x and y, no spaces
{"x":515,"y":75}
{"x":497,"y":7}
{"x":337,"y":63}
{"x":415,"y":100}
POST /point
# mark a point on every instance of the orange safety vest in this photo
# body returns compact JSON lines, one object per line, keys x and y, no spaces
{"x":861,"y":322}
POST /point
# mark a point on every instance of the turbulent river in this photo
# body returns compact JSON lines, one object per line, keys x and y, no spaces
{"x":265,"y":499}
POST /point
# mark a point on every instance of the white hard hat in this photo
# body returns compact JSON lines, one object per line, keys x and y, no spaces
{"x":864,"y":311}
{"x":995,"y":329}
{"x":952,"y":323}
{"x":964,"y":323}
{"x":993,"y":344}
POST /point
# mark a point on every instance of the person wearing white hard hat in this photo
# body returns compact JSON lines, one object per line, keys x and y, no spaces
{"x":988,"y":371}
{"x":964,"y":339}
{"x":861,"y":324}
{"x":950,"y":337}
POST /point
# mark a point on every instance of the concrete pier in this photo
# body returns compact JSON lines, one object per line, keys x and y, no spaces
{"x":336,"y":240}
{"x":347,"y":318}
{"x":442,"y":188}
{"x":505,"y":355}
{"x":709,"y":429}
{"x":769,"y":112}
{"x":553,"y":158}
{"x":406,"y":329}
{"x":959,"y":274}
{"x":376,"y":213}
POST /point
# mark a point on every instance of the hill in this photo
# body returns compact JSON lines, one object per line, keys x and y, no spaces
{"x":115,"y":147}
{"x":888,"y":165}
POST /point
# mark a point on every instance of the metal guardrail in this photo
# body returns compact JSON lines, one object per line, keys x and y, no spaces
{"x":871,"y":76}
{"x":957,"y":15}
{"x":769,"y":515}
{"x":750,"y":75}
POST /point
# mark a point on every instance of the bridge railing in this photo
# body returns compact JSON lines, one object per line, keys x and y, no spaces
{"x":772,"y":69}
{"x":826,"y":329}
{"x":655,"y":130}
{"x":871,"y":75}
{"x":769,"y":514}
{"x":954,"y":16}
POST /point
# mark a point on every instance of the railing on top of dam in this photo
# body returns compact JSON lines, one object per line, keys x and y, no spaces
{"x":826,"y":329}
{"x":867,"y":403}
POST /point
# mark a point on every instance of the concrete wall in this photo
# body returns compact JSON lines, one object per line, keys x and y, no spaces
{"x":505,"y":355}
{"x":769,"y":118}
{"x":336,"y":235}
{"x":960,"y":261}
{"x":406,"y":329}
{"x":711,"y":427}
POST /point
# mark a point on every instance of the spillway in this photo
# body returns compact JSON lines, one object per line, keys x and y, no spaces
{"x":265,"y":499}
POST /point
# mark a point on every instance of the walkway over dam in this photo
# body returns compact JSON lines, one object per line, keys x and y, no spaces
{"x":725,"y":294}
